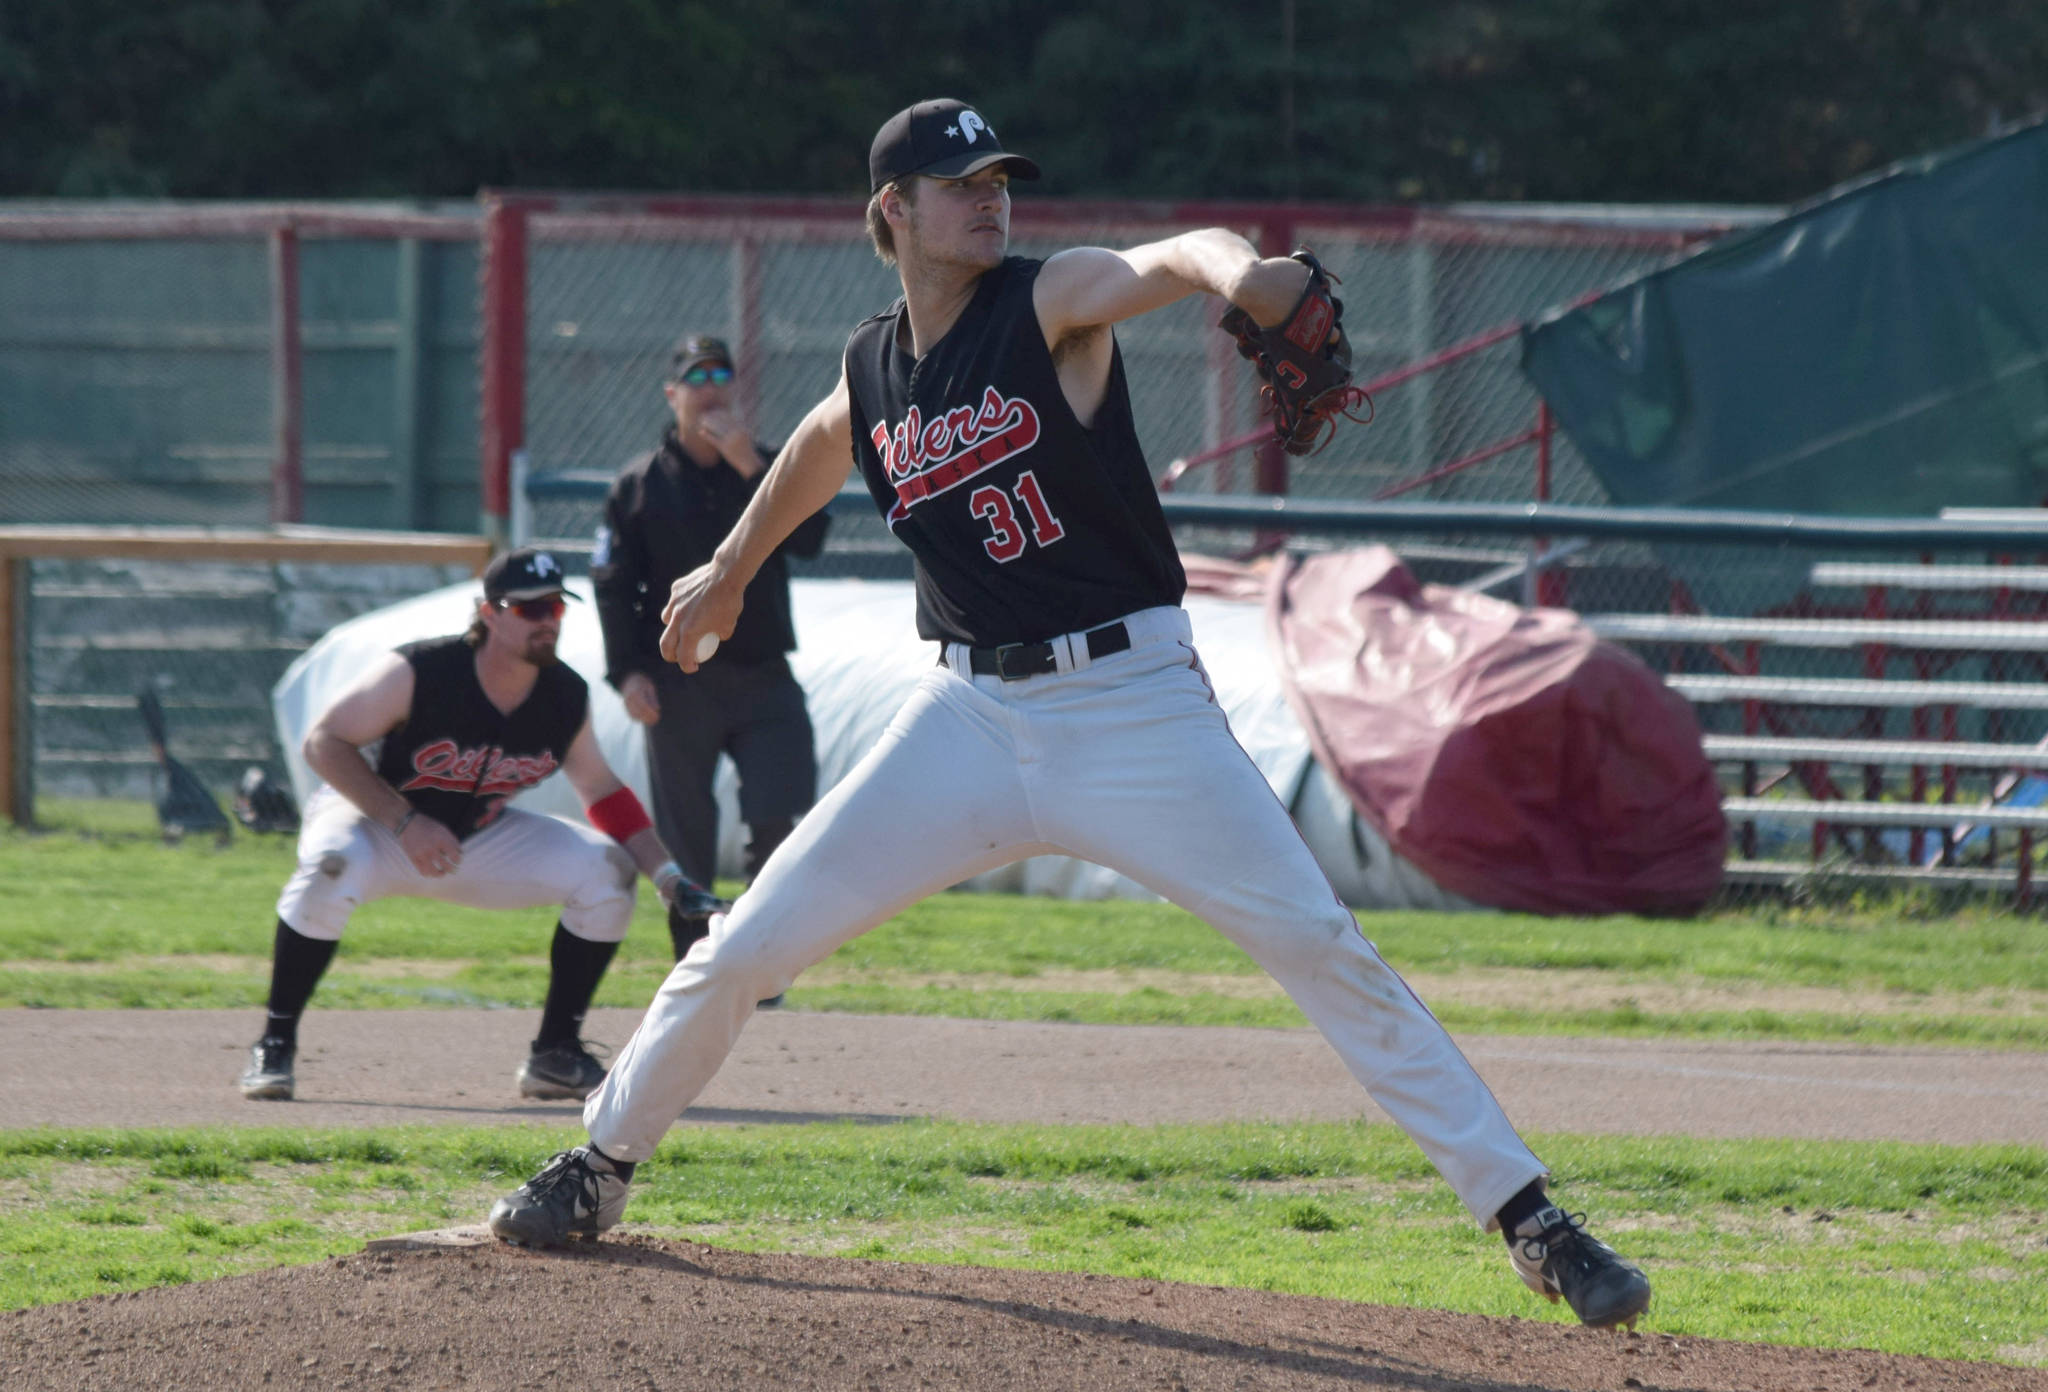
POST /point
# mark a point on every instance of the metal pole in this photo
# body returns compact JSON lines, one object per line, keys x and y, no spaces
{"x":413,"y":505}
{"x":1269,"y":461}
{"x":287,"y":475}
{"x":746,"y":286}
{"x":17,"y":792}
{"x":503,"y":389}
{"x":1550,"y":583}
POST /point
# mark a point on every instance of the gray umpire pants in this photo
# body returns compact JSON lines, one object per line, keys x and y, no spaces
{"x":755,"y":713}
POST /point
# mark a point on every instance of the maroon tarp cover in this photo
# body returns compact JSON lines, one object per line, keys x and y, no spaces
{"x":1509,"y":753}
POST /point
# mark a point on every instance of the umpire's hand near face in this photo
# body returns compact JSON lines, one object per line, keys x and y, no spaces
{"x":734,"y":441}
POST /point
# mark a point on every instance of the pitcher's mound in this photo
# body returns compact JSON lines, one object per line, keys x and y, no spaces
{"x":637,"y":1312}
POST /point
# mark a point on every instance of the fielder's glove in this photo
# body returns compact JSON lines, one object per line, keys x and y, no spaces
{"x":689,"y":915}
{"x":1304,"y":361}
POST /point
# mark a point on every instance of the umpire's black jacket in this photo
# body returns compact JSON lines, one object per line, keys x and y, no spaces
{"x":663,"y":518}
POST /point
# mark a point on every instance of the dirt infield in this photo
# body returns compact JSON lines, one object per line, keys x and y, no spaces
{"x":380,"y":1068}
{"x":635,"y":1312}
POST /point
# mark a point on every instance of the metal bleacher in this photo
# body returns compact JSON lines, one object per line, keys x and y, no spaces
{"x":1913,"y":823}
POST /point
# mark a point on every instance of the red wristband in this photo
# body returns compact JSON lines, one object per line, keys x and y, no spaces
{"x":619,"y":815}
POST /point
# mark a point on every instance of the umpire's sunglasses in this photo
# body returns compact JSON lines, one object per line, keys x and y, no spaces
{"x":536,"y":610}
{"x":701,"y":376}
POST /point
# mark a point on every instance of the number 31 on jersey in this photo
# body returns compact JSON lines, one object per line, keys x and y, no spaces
{"x":1006,"y":541}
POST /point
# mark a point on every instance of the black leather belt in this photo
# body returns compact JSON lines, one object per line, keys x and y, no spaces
{"x":1016,"y":661}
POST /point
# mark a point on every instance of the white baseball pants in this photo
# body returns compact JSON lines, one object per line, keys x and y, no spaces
{"x":1127,"y":761}
{"x":522,"y":860}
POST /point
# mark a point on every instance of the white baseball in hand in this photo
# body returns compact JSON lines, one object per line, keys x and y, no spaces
{"x":706,"y":646}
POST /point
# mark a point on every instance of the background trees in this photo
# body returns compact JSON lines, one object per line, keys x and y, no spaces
{"x":1715,"y":100}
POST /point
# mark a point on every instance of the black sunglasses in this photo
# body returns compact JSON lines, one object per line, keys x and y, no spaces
{"x":535,"y":610}
{"x":702,"y":376}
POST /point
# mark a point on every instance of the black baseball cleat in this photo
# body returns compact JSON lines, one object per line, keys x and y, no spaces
{"x":560,"y":1071}
{"x":577,"y":1193}
{"x":1555,"y":1256}
{"x":268,"y":1078}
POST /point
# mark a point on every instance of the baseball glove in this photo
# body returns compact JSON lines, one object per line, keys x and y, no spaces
{"x":689,"y":916}
{"x":1304,"y":361}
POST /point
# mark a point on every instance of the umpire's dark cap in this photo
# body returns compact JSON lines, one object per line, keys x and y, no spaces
{"x":525,"y":573}
{"x":695,"y":350}
{"x":944,"y":139}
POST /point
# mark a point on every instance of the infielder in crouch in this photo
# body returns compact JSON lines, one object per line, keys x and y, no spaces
{"x":1069,"y":713}
{"x":467,"y":722}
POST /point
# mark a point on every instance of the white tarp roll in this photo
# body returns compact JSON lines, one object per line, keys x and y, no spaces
{"x":858,"y":658}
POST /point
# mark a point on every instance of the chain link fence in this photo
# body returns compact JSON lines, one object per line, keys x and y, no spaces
{"x":112,"y":354}
{"x":607,"y":291}
{"x":1878,"y":678}
{"x":238,"y":364}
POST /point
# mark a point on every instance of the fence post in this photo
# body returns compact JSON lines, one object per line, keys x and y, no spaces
{"x":502,"y":392}
{"x":409,"y":362}
{"x":287,"y":382}
{"x":1551,"y":589}
{"x":17,"y":743}
{"x":1269,"y":461}
{"x":748,"y":352}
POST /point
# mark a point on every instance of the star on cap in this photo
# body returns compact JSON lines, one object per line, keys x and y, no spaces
{"x":952,"y":130}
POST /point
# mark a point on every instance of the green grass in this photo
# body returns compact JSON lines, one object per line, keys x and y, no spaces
{"x":1908,"y":1249}
{"x":103,"y":914}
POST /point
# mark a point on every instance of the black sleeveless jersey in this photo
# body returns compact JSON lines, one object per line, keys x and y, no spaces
{"x":1024,"y":523}
{"x":458,"y":758}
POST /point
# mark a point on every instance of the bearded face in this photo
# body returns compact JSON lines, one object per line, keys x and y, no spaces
{"x":526,"y":630}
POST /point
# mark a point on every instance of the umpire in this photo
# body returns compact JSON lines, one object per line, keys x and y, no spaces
{"x":666,"y":513}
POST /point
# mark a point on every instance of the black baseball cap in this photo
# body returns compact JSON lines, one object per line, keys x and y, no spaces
{"x":525,"y":573}
{"x":943,"y":138}
{"x":694,"y":350}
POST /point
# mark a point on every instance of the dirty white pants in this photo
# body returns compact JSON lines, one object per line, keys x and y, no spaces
{"x":1126,"y":761}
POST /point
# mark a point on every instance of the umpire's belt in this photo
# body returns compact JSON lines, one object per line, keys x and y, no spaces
{"x":1016,"y":661}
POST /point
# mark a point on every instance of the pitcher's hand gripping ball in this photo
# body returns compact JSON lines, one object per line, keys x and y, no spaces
{"x":706,"y":646}
{"x":1304,"y":362}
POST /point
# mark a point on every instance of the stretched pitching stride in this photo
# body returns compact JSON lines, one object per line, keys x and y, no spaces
{"x":1069,"y":713}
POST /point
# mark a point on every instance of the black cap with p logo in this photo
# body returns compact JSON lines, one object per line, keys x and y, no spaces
{"x":943,"y":139}
{"x":526,"y":573}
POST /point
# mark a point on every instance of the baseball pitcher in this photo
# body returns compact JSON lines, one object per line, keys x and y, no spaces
{"x":1069,"y":712}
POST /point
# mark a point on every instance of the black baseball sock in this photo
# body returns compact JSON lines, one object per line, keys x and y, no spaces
{"x":576,"y":965}
{"x":1527,"y":1200}
{"x":297,"y":963}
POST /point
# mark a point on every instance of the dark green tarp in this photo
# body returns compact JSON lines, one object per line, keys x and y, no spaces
{"x":1881,"y":350}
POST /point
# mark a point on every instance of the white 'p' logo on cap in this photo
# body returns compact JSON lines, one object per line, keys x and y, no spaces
{"x":971,"y":125}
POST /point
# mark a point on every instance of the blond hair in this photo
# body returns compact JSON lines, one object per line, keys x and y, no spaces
{"x":879,"y":231}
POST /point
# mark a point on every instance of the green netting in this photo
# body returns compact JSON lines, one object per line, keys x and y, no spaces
{"x":1882,"y":350}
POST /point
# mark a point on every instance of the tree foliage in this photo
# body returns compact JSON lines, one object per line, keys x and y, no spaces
{"x":1733,"y":100}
